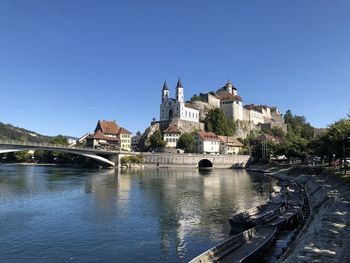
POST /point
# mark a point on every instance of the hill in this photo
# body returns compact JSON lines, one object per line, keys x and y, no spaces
{"x":10,"y":132}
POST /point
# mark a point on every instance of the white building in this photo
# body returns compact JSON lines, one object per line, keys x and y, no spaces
{"x":176,"y":108}
{"x":207,"y":142}
{"x":171,"y":136}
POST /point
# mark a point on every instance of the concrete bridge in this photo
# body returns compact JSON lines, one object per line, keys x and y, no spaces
{"x":109,"y":157}
{"x":113,"y":157}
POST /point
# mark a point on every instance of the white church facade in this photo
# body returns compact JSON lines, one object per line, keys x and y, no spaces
{"x":176,"y":108}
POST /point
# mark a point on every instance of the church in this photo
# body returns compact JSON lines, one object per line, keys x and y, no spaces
{"x":177,"y":112}
{"x":176,"y":108}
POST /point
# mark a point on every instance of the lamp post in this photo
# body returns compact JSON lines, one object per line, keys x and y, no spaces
{"x":344,"y":153}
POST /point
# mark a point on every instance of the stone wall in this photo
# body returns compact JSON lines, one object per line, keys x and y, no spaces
{"x":187,"y":126}
{"x":192,"y":160}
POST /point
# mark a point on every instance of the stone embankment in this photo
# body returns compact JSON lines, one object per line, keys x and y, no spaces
{"x":326,"y":235}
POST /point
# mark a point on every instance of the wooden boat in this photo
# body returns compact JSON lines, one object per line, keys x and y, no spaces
{"x":243,"y":247}
{"x":258,"y":215}
{"x":295,"y":204}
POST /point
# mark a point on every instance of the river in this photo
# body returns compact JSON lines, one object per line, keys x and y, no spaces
{"x":61,"y":214}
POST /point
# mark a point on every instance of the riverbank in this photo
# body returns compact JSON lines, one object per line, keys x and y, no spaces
{"x":326,"y":235}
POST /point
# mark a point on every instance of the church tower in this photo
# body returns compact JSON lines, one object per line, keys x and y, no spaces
{"x":165,"y":92}
{"x":179,"y":91}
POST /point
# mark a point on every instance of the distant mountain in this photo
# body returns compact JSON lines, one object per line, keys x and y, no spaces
{"x":10,"y":132}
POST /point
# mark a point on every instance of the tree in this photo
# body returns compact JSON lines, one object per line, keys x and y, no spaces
{"x":186,"y":142}
{"x":269,"y":149}
{"x":338,"y":136}
{"x":276,"y":132}
{"x":156,"y":139}
{"x":216,"y":122}
{"x":59,"y":140}
{"x":196,"y":98}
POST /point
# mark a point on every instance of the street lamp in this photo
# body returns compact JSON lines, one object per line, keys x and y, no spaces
{"x":344,"y":152}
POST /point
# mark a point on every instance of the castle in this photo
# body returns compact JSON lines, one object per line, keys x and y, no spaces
{"x":188,"y":116}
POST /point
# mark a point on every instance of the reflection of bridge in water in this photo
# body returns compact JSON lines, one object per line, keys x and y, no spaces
{"x":107,"y":156}
{"x":113,"y":157}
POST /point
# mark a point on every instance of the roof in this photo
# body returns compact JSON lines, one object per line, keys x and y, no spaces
{"x":109,"y":127}
{"x":229,"y":96}
{"x":208,"y":136}
{"x":230,"y":141}
{"x":229,"y":83}
{"x":98,"y":135}
{"x":123,"y":131}
{"x":253,"y":107}
{"x":172,"y":129}
{"x":179,"y":84}
{"x":82,"y":138}
{"x":165,"y":86}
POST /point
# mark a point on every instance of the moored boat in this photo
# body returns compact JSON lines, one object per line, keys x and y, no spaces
{"x":258,"y":215}
{"x":243,"y":247}
{"x":293,"y":212}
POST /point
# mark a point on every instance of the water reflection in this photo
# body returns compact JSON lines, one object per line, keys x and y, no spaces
{"x":104,"y":215}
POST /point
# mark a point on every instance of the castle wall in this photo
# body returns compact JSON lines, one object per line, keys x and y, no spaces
{"x":233,"y":109}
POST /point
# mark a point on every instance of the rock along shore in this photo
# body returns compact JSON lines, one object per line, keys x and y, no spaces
{"x":326,"y":235}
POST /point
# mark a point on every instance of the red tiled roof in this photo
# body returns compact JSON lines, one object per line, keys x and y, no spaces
{"x":98,"y":135}
{"x":230,"y":141}
{"x":209,"y":136}
{"x":229,"y":96}
{"x":109,"y":127}
{"x":123,"y":131}
{"x":172,"y":129}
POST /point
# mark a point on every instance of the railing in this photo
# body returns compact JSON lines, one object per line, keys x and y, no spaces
{"x":58,"y":146}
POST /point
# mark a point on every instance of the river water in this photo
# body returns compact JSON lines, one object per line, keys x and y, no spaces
{"x":56,"y":214}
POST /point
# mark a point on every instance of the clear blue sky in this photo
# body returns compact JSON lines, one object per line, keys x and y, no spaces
{"x":65,"y":64}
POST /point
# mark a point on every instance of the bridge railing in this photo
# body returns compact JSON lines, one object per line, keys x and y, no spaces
{"x":50,"y":145}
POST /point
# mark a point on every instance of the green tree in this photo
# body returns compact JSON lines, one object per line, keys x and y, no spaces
{"x":267,"y":147}
{"x":55,"y":156}
{"x":296,"y":143}
{"x":156,"y":140}
{"x":338,"y":136}
{"x":186,"y":142}
{"x":59,"y":140}
{"x":196,"y":98}
{"x":216,"y":122}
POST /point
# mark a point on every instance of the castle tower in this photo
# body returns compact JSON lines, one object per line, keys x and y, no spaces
{"x":230,"y":88}
{"x":179,"y":91}
{"x":165,"y":92}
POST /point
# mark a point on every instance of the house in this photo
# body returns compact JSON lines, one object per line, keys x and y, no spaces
{"x":108,"y":134}
{"x":171,"y":136}
{"x":229,"y":145}
{"x":82,"y":139}
{"x":207,"y":142}
{"x":100,"y":140}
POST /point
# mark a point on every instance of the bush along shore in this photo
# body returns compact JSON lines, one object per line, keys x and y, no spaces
{"x":325,"y":237}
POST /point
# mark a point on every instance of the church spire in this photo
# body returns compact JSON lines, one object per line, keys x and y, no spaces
{"x":165,"y":86}
{"x":179,"y":84}
{"x":179,"y":91}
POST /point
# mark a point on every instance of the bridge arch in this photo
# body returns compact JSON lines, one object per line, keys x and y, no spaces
{"x":205,"y":163}
{"x":89,"y":155}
